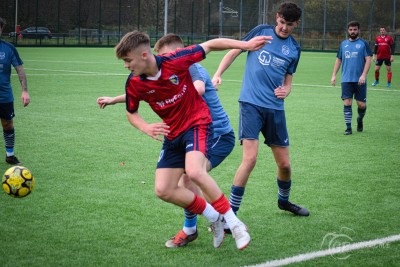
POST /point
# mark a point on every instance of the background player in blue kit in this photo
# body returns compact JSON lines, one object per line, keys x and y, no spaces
{"x":223,"y":137}
{"x":9,"y":57}
{"x":355,"y":57}
{"x":267,"y":82}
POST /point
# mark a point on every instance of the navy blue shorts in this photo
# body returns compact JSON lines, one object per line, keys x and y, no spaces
{"x":7,"y":111}
{"x":379,"y":62}
{"x":173,"y":152}
{"x":222,"y":146}
{"x":270,"y":122}
{"x":354,"y":89}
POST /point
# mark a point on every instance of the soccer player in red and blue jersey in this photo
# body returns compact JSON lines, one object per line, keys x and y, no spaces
{"x":383,"y":53}
{"x":164,"y":82}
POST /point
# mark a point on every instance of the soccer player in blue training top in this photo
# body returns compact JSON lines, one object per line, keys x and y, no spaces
{"x":164,"y":82}
{"x":223,"y":137}
{"x":266,"y":83}
{"x":9,"y":57}
{"x":355,"y":57}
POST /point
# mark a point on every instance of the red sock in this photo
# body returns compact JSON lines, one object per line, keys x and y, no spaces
{"x":221,"y":204}
{"x":377,"y":75}
{"x":389,"y":76}
{"x":197,"y":206}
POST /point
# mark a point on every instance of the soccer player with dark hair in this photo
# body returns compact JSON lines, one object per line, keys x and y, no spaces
{"x":9,"y":57}
{"x":354,"y":55}
{"x":266,"y":83}
{"x":383,"y":53}
{"x":164,"y":82}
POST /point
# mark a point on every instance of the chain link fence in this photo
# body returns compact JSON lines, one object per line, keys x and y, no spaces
{"x":104,"y":22}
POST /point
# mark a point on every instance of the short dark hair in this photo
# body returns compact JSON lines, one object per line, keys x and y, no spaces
{"x":131,"y":41}
{"x":353,"y":24}
{"x":2,"y":23}
{"x":289,"y":11}
{"x":168,"y":39}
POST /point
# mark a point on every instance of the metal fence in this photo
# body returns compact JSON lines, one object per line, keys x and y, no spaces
{"x":104,"y":22}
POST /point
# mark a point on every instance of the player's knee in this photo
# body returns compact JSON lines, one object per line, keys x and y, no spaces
{"x":163,"y":193}
{"x":249,"y":162}
{"x":284,"y":167}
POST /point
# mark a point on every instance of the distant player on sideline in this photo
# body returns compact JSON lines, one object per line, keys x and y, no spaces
{"x":355,"y":57}
{"x":164,"y":82}
{"x":383,"y":53}
{"x":9,"y":57}
{"x":266,"y":84}
{"x":223,"y":138}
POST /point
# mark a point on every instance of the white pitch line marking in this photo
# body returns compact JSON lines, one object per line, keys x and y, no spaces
{"x":329,"y":252}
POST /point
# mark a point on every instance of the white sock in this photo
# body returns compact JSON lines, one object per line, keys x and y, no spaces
{"x":210,"y":213}
{"x":231,"y":219}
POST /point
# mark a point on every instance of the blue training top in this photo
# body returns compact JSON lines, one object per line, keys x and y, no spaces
{"x":220,"y":119}
{"x":266,"y":68}
{"x":352,"y":54}
{"x":8,"y":56}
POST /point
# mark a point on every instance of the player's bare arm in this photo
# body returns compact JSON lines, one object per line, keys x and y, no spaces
{"x":25,"y":98}
{"x":153,"y":130}
{"x":363,"y":77}
{"x":283,"y":91}
{"x":104,"y":101}
{"x":225,"y":63}
{"x":335,"y":70}
{"x":226,"y":43}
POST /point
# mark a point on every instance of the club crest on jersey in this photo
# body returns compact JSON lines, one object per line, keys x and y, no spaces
{"x":174,"y":79}
{"x":2,"y":55}
{"x":285,"y":50}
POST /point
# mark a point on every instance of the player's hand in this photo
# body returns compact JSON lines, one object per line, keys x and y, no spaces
{"x":25,"y":98}
{"x":361,"y":80}
{"x":333,"y":81}
{"x":155,"y":129}
{"x":216,"y":80}
{"x":391,"y":58}
{"x":257,"y":42}
{"x":281,"y":92}
{"x":374,"y":58}
{"x":104,"y":101}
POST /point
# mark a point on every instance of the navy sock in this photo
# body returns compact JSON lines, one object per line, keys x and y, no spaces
{"x":361,"y":112}
{"x":9,"y":140}
{"x":348,"y":115}
{"x":235,"y":198}
{"x":283,"y":190}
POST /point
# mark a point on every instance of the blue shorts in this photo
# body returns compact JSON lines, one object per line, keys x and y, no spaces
{"x":270,"y":122}
{"x":353,"y":88}
{"x":222,"y":146}
{"x":7,"y":111}
{"x":379,"y":62}
{"x":173,"y":152}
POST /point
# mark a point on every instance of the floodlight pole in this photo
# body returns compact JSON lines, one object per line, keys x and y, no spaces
{"x":16,"y":20}
{"x":166,"y":17}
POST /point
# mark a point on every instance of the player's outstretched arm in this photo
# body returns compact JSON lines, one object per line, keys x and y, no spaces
{"x":153,"y":130}
{"x":104,"y":101}
{"x":226,"y":43}
{"x":225,"y":63}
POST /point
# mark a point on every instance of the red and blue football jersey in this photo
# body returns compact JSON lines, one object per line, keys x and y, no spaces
{"x":383,"y":45}
{"x":171,"y":94}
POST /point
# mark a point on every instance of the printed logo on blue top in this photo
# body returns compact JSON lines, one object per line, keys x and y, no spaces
{"x":264,"y":58}
{"x":2,"y":55}
{"x":174,"y":79}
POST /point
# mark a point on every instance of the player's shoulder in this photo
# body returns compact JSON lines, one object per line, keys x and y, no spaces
{"x":7,"y":45}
